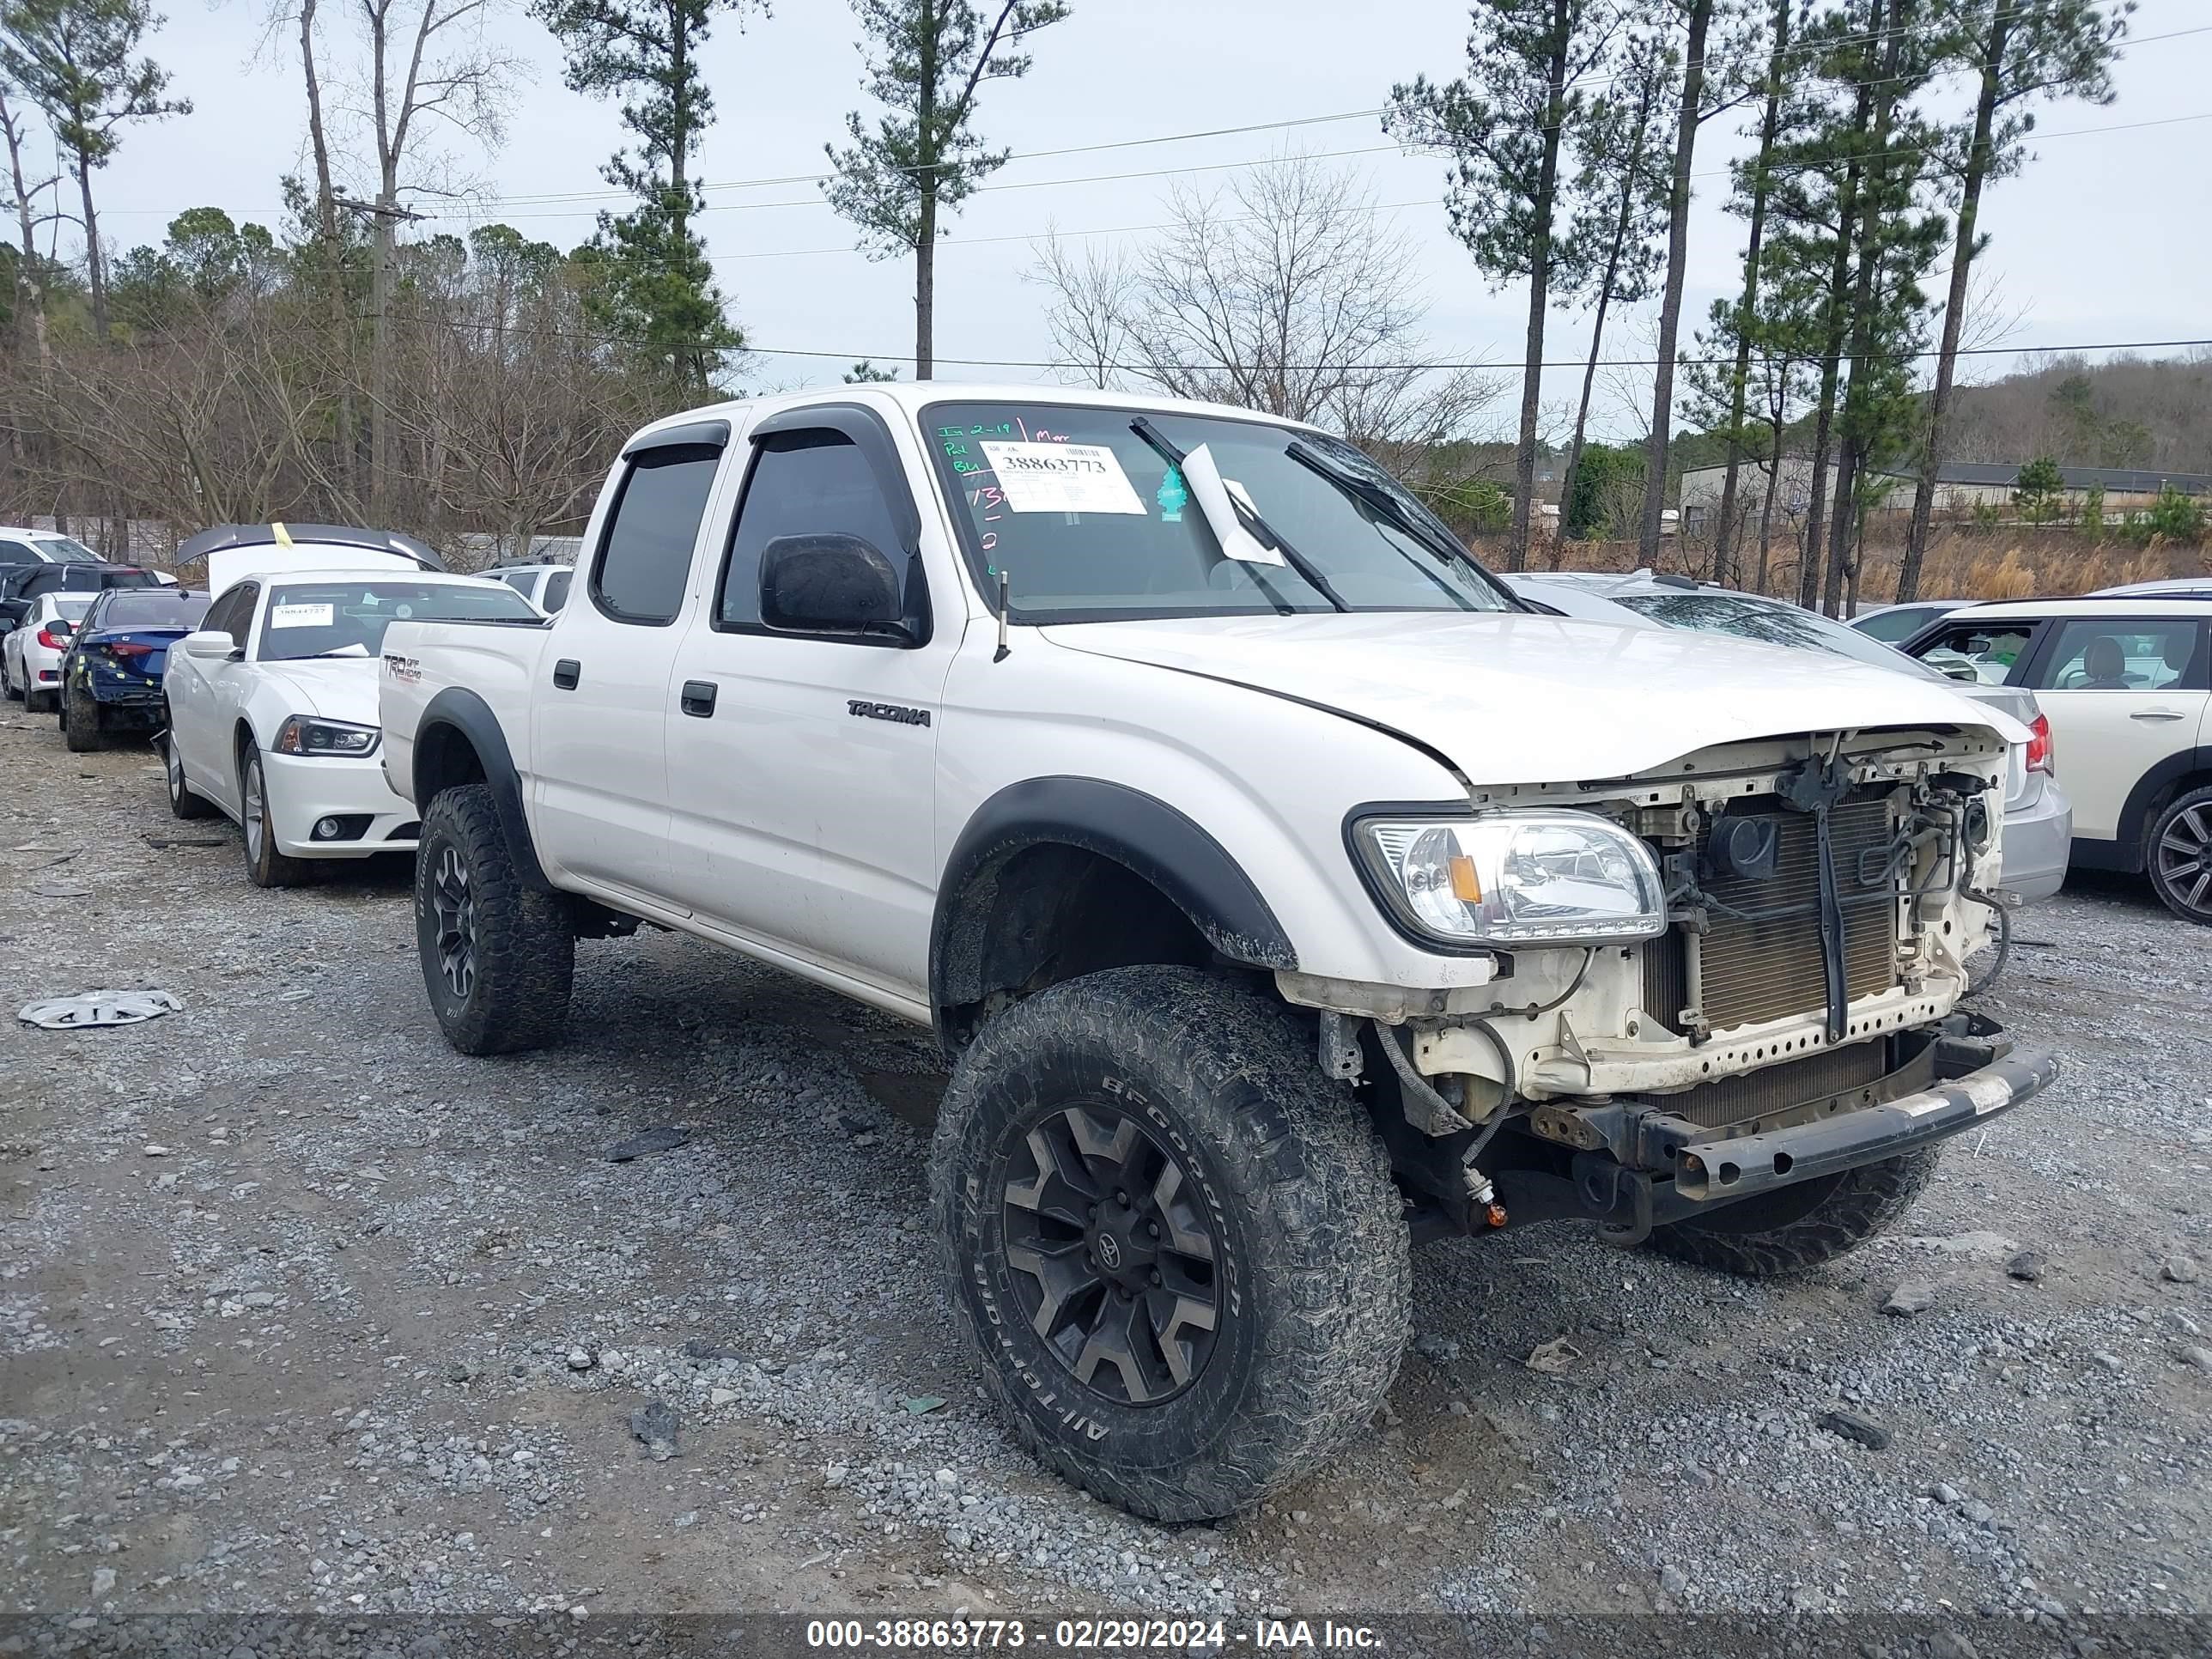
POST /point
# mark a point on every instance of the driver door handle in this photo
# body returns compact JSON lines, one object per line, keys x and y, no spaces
{"x":2157,"y":714}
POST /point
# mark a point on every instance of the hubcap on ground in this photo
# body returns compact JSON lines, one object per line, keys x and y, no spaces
{"x":1114,"y":1253}
{"x":2185,"y":857}
{"x":454,"y":906}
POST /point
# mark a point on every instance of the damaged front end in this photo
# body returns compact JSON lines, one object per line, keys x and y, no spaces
{"x":1794,"y":1013}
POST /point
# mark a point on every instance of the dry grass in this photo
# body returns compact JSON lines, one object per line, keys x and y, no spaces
{"x":2010,"y":562}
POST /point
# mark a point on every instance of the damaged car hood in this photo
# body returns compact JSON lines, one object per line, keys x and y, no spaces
{"x":1511,"y":698}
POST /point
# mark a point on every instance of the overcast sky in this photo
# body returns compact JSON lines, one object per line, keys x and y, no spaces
{"x":2104,"y":237}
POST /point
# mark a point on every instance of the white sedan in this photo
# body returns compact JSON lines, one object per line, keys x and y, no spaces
{"x":31,"y":655}
{"x":271,"y":716}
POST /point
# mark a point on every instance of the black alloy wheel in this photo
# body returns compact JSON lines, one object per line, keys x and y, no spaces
{"x":2181,"y":857}
{"x":452,"y":904}
{"x":1114,"y":1259}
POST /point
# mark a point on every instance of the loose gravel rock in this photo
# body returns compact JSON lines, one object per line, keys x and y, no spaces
{"x":317,"y":1352}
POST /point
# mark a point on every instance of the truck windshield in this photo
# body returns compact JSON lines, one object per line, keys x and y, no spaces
{"x":1089,"y":519}
{"x":343,"y":619}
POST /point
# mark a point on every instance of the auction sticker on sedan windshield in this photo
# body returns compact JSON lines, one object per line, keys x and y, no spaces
{"x":1061,"y":477}
{"x":302,"y":615}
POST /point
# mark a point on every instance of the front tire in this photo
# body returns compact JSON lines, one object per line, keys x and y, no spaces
{"x":499,"y":956}
{"x":265,"y":866}
{"x":1798,"y":1228}
{"x":15,"y":692}
{"x":2181,"y":857}
{"x":183,"y":802}
{"x":1174,"y":1244}
{"x":80,"y":717}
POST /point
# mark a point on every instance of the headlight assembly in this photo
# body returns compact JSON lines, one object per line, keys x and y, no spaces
{"x":1515,"y":877}
{"x":301,"y":734}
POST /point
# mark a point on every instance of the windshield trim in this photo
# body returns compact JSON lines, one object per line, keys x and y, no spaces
{"x":976,"y":564}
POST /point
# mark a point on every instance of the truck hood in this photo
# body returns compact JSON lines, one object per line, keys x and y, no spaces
{"x":1511,"y":698}
{"x":333,"y":688}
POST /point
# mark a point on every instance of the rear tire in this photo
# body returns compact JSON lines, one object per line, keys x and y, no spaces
{"x":81,"y":727}
{"x":2181,"y":857}
{"x":499,"y":956}
{"x":15,"y":692}
{"x":183,"y":802}
{"x":39,"y":702}
{"x":1173,"y":1243}
{"x":1799,"y":1228}
{"x":265,"y":865}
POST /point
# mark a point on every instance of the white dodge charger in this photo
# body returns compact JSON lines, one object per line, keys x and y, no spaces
{"x":272,"y":709}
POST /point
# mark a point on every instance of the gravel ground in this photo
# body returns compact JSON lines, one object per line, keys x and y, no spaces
{"x":300,"y":1310}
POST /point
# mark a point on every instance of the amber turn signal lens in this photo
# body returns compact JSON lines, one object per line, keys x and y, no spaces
{"x":1466,"y":885}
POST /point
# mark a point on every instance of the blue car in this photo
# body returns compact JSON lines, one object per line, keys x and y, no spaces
{"x":112,"y":677}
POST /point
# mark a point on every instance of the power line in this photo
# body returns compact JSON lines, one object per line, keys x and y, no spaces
{"x":1495,"y":366}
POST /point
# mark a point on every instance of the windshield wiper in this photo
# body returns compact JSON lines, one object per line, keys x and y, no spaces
{"x":1260,"y":529}
{"x":1380,"y":499}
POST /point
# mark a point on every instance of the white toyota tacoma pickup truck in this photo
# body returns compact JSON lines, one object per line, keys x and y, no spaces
{"x":1281,"y":891}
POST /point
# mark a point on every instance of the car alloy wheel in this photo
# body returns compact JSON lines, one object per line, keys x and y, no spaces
{"x":454,"y":906}
{"x":1113,"y":1253}
{"x":2183,"y":856}
{"x":256,"y":807}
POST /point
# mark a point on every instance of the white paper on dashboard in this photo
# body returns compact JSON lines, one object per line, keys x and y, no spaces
{"x":302,"y":615}
{"x":1210,"y":491}
{"x":1061,"y":478}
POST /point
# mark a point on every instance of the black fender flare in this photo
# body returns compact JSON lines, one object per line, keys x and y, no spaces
{"x":1149,"y":838}
{"x":467,"y":714}
{"x":2154,"y":785}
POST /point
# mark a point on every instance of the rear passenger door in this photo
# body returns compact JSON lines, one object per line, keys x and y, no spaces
{"x":2124,"y":694}
{"x":598,"y":741}
{"x":802,"y":768}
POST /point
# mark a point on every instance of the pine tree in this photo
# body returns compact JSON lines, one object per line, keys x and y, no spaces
{"x":656,"y":288}
{"x":1526,"y":93}
{"x":1625,"y":194}
{"x":2021,"y":50}
{"x":923,"y":157}
{"x":78,"y":61}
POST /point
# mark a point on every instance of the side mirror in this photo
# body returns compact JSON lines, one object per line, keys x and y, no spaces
{"x":830,"y":583}
{"x":209,"y":646}
{"x":61,"y":627}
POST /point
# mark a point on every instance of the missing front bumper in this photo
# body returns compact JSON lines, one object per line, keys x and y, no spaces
{"x":1640,"y":1168}
{"x":1715,"y":1168}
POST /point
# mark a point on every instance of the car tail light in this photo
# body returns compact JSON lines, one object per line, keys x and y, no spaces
{"x":130,"y":648}
{"x":2039,"y":743}
{"x":51,"y":640}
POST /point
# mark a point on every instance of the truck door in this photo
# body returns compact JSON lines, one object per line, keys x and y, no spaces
{"x":802,"y":759}
{"x":600,"y":714}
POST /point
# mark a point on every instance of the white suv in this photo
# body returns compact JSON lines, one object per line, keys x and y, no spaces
{"x":2126,"y":680}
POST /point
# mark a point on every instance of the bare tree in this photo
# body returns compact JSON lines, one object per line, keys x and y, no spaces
{"x":430,"y":62}
{"x":1281,"y":294}
{"x":30,"y":289}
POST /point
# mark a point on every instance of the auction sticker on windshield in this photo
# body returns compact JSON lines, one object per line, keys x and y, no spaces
{"x":302,"y":615}
{"x":1061,"y":477}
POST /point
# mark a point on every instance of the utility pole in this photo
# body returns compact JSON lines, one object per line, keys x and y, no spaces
{"x":384,"y":215}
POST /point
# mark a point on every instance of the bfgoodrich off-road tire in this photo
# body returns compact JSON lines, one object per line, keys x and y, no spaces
{"x":498,"y":955}
{"x":2181,"y":857}
{"x":1173,"y":1244}
{"x":1796,"y":1228}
